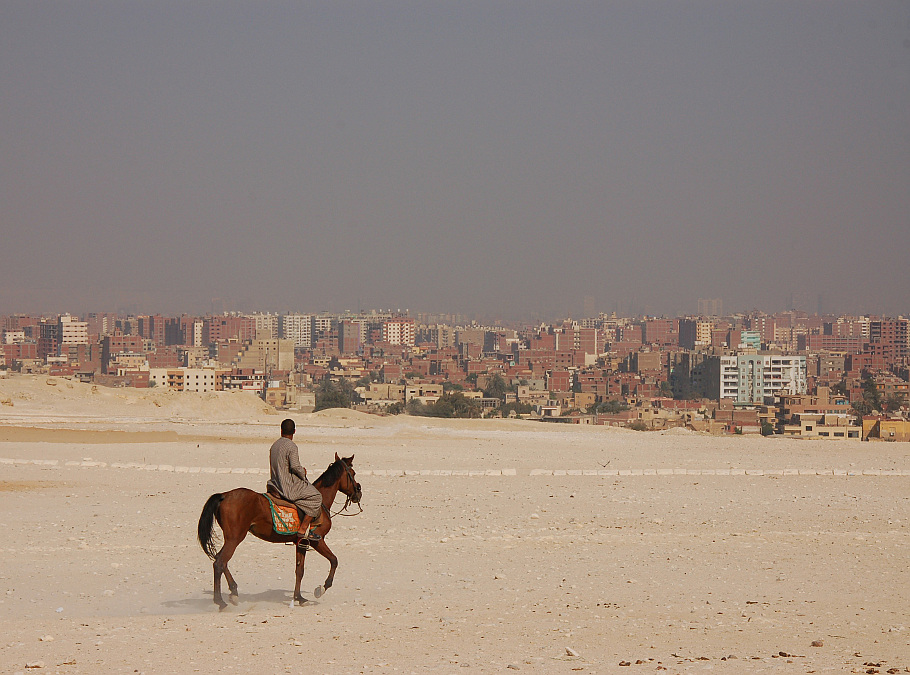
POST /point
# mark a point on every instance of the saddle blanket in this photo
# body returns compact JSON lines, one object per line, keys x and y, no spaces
{"x":285,"y":520}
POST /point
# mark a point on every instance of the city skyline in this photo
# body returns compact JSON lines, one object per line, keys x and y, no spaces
{"x":490,"y":161}
{"x":620,"y":310}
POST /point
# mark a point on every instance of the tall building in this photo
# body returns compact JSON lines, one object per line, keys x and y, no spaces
{"x":590,"y":306}
{"x":659,"y":331}
{"x":352,"y":335}
{"x":298,"y":328}
{"x":322,"y":324}
{"x":710,"y":307}
{"x":442,"y":335}
{"x":266,"y":326}
{"x":751,"y":378}
{"x":226,"y":327}
{"x":398,"y":332}
{"x":266,"y":355}
{"x":71,"y":332}
{"x":152,"y":328}
{"x":695,"y":333}
{"x":890,"y":338}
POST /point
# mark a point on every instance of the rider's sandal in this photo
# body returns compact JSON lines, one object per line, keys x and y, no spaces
{"x":309,"y":536}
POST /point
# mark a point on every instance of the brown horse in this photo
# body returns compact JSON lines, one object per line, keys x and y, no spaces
{"x":241,"y":510}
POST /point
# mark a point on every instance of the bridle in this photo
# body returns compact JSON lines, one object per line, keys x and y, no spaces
{"x":349,"y":498}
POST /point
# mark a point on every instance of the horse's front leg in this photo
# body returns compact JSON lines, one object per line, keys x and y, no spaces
{"x":301,"y":558}
{"x":323,"y":550}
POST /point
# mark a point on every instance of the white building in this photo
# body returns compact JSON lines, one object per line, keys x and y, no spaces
{"x":185,"y":379}
{"x":750,"y":378}
{"x":398,"y":332}
{"x":71,"y":332}
{"x":322,"y":324}
{"x":11,"y":337}
{"x":298,"y":328}
{"x":198,"y":326}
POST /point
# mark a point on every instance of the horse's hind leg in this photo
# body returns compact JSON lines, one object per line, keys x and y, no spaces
{"x":221,"y":567}
{"x":216,"y":593}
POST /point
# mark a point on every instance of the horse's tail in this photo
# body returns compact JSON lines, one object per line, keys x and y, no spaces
{"x":207,"y":525}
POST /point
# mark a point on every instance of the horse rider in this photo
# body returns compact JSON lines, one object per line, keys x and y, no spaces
{"x":288,"y":479}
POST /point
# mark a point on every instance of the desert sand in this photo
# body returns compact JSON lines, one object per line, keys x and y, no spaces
{"x":483,"y":546}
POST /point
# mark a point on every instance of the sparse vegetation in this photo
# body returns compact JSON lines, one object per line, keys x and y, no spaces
{"x":450,"y":405}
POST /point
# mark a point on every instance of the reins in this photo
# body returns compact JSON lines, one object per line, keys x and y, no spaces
{"x":342,"y":509}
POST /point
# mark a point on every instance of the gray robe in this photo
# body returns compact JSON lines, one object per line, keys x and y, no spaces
{"x":289,"y":478}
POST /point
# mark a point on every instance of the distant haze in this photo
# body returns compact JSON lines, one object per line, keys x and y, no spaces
{"x":506,"y":159}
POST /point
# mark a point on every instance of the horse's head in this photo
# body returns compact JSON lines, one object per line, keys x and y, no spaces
{"x":347,"y":484}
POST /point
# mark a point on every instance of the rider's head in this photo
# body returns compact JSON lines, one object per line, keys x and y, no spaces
{"x":288,"y":428}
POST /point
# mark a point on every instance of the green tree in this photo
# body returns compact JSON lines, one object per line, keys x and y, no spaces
{"x":767,"y":429}
{"x":637,"y":425}
{"x":894,"y":402}
{"x":416,"y":407}
{"x":496,"y":387}
{"x":681,"y":385}
{"x":611,"y":407}
{"x":331,"y":394}
{"x":454,"y":404}
{"x":519,"y":408}
{"x":871,"y":400}
{"x":840,"y":388}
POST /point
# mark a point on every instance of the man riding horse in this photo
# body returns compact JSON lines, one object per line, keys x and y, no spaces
{"x":288,"y":480}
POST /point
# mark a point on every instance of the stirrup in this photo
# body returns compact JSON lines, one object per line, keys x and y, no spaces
{"x":309,"y":535}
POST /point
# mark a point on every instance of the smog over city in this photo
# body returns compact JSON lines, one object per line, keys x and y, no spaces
{"x":498,"y":160}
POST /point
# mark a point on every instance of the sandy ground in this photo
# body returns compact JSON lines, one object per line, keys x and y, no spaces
{"x":686,"y":553}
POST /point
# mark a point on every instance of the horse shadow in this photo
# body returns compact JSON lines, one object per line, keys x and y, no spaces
{"x":204,"y":603}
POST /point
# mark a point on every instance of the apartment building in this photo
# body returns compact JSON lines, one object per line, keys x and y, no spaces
{"x":695,"y":333}
{"x":352,"y":335}
{"x":750,"y":378}
{"x":710,"y":307}
{"x":71,"y":331}
{"x":265,"y":355}
{"x":298,"y":328}
{"x":12,"y":337}
{"x":398,"y":332}
{"x":265,"y":326}
{"x":890,"y":338}
{"x":322,"y":324}
{"x":187,"y":379}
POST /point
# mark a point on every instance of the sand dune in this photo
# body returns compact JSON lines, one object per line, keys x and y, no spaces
{"x":483,"y":546}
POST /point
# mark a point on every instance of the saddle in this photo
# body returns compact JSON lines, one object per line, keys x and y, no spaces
{"x":286,"y":516}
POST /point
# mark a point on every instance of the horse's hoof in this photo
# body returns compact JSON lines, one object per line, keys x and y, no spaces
{"x":222,"y":607}
{"x":235,"y":600}
{"x":300,"y":601}
{"x":318,"y":591}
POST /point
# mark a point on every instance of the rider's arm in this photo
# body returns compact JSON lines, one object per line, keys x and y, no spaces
{"x":294,"y":464}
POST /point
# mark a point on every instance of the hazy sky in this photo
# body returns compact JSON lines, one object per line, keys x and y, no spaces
{"x":505,"y":158}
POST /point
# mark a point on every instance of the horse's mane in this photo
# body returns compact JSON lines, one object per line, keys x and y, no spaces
{"x":331,"y":474}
